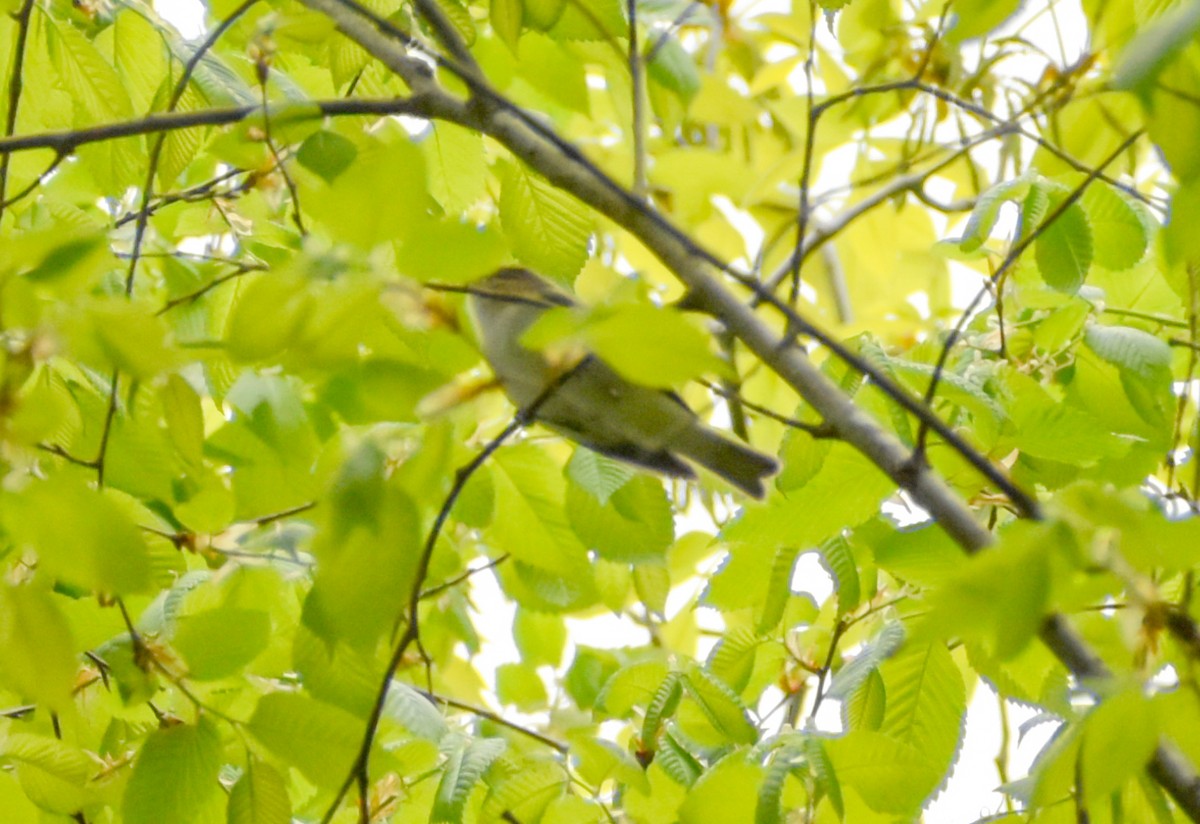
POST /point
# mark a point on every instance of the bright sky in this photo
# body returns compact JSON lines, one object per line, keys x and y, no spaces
{"x":969,"y":794}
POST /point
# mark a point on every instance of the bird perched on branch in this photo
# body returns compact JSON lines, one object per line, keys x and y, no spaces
{"x":589,"y":402}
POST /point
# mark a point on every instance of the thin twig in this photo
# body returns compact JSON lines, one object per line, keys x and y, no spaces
{"x":15,"y":83}
{"x":33,"y":185}
{"x":156,"y":147}
{"x":997,"y":278}
{"x":190,"y":297}
{"x":486,"y":714}
{"x":110,"y":412}
{"x":69,"y":141}
{"x":639,"y":103}
{"x":360,"y":770}
{"x":297,"y":218}
{"x":817,"y":430}
{"x":810,"y":142}
{"x":467,"y":575}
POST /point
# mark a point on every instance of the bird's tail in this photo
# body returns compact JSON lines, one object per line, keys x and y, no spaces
{"x":735,"y":462}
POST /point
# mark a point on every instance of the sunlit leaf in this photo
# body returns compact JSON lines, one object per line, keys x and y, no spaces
{"x":175,"y":776}
{"x":318,"y":739}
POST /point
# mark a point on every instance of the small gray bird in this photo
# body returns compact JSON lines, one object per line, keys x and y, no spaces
{"x":592,"y":404}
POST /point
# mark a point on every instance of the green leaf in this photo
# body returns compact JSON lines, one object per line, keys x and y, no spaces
{"x":259,"y":797}
{"x":864,"y":709}
{"x":821,"y":507}
{"x":139,"y":58}
{"x":926,"y":702}
{"x":973,"y":18}
{"x":506,"y":20}
{"x":600,"y":760}
{"x":1035,"y":205}
{"x":450,"y":250}
{"x":81,"y":537}
{"x":1001,"y":595}
{"x":868,"y":660}
{"x":623,"y":336}
{"x":460,"y":17}
{"x":839,"y":557}
{"x":891,"y":776}
{"x":721,"y":706}
{"x":599,"y":475}
{"x":457,"y":170}
{"x":732,"y":658}
{"x":118,"y":334}
{"x":550,"y":591}
{"x":269,"y":316}
{"x":683,"y":767}
{"x":1064,"y":250}
{"x":1120,"y":235}
{"x":634,"y":685}
{"x":464,"y":767}
{"x":1172,"y":116}
{"x":1124,"y":724}
{"x":415,"y":712}
{"x":548,"y":229}
{"x":924,"y":556}
{"x":520,"y":686}
{"x":598,"y":20}
{"x":543,"y":14}
{"x":374,"y":200}
{"x":37,"y":651}
{"x":1056,"y":769}
{"x":672,"y":67}
{"x":326,"y":154}
{"x":1130,"y":349}
{"x":185,"y":419}
{"x":987,"y":210}
{"x":555,"y":71}
{"x":727,"y":792}
{"x":175,"y":776}
{"x":1155,"y":46}
{"x":660,"y":708}
{"x":1044,"y":427}
{"x":822,"y":769}
{"x":636,"y":525}
{"x":540,"y":637}
{"x":318,"y":739}
{"x":652,"y":582}
{"x":529,"y":491}
{"x":779,"y":588}
{"x":217,"y":643}
{"x":774,"y":803}
{"x":525,"y":791}
{"x":367,"y":555}
{"x":181,"y":147}
{"x":94,"y":85}
{"x":53,"y":775}
{"x":589,"y":673}
{"x":807,"y":516}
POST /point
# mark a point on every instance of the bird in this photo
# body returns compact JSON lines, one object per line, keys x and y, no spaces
{"x":589,"y":402}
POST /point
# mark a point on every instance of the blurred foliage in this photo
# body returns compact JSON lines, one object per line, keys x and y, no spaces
{"x":230,"y":414}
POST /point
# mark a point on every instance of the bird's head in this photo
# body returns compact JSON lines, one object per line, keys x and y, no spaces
{"x":519,"y":285}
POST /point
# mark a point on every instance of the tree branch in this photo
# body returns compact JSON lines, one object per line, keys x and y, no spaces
{"x":564,"y":166}
{"x":67,"y":142}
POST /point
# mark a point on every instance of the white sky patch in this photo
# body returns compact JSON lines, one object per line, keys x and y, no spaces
{"x":185,"y":15}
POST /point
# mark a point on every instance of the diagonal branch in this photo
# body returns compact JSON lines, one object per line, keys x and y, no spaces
{"x":564,"y":166}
